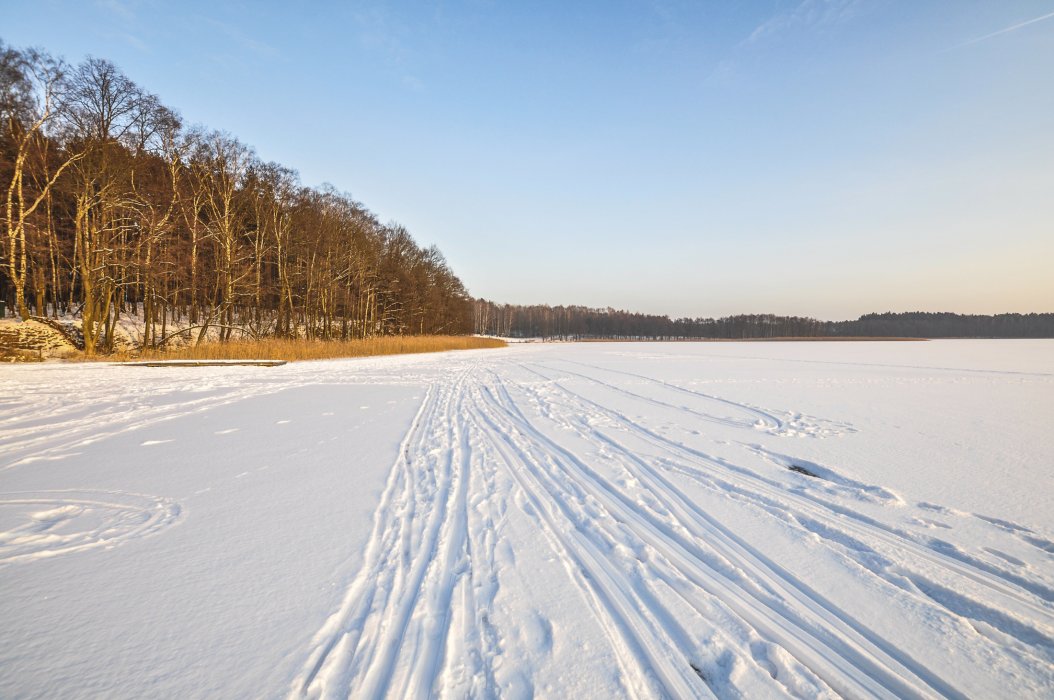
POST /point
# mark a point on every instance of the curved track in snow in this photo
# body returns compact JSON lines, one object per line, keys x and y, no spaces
{"x":51,"y":523}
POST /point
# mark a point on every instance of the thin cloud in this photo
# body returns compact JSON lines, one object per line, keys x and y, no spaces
{"x":414,"y":83}
{"x":804,"y":16}
{"x":118,"y":8}
{"x":807,"y":14}
{"x":1005,"y":30}
{"x":243,"y":40}
{"x":379,"y":32}
{"x":136,"y":42}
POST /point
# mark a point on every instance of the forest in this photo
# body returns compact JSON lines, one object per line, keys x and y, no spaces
{"x":112,"y":206}
{"x":583,"y":323}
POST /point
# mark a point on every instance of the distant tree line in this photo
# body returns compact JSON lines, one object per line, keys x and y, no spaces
{"x":112,"y":206}
{"x":919,"y":324}
{"x":583,"y":323}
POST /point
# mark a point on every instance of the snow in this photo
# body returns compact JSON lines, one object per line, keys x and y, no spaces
{"x":561,"y":520}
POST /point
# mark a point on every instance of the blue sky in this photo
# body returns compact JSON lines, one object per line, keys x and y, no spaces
{"x":812,"y":157}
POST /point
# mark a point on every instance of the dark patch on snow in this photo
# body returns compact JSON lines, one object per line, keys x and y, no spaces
{"x":699,"y":672}
{"x":802,"y":470}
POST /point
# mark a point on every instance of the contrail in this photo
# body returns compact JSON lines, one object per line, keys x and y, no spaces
{"x":1006,"y":30}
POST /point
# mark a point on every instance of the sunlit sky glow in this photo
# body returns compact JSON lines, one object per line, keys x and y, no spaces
{"x":823,"y":158}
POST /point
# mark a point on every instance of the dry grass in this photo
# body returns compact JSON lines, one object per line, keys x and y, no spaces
{"x":777,"y":339}
{"x":285,"y":349}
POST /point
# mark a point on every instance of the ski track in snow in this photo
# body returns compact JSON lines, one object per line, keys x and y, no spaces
{"x":52,"y":425}
{"x":689,"y":607}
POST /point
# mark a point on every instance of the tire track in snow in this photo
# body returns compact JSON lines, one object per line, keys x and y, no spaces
{"x":850,"y":658}
{"x":43,"y":426}
{"x":636,"y":636}
{"x":472,"y":639}
{"x":689,"y":608}
{"x":390,"y":634}
{"x":797,"y":425}
{"x":771,"y":493}
{"x":22,"y":448}
{"x":835,"y":523}
{"x":884,"y":365}
{"x":764,"y":419}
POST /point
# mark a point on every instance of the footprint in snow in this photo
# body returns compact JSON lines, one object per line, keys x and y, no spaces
{"x":1003,"y":524}
{"x":538,"y":633}
{"x":927,"y":522}
{"x":1005,"y":557}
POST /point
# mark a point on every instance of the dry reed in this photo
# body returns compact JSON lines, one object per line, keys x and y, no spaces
{"x":287,"y":349}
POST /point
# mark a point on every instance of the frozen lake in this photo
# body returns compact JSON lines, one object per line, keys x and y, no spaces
{"x":868,"y":519}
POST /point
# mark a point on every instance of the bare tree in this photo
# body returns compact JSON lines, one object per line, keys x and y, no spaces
{"x":31,"y":82}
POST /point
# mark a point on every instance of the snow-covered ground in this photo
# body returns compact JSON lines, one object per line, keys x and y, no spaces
{"x":571,"y":520}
